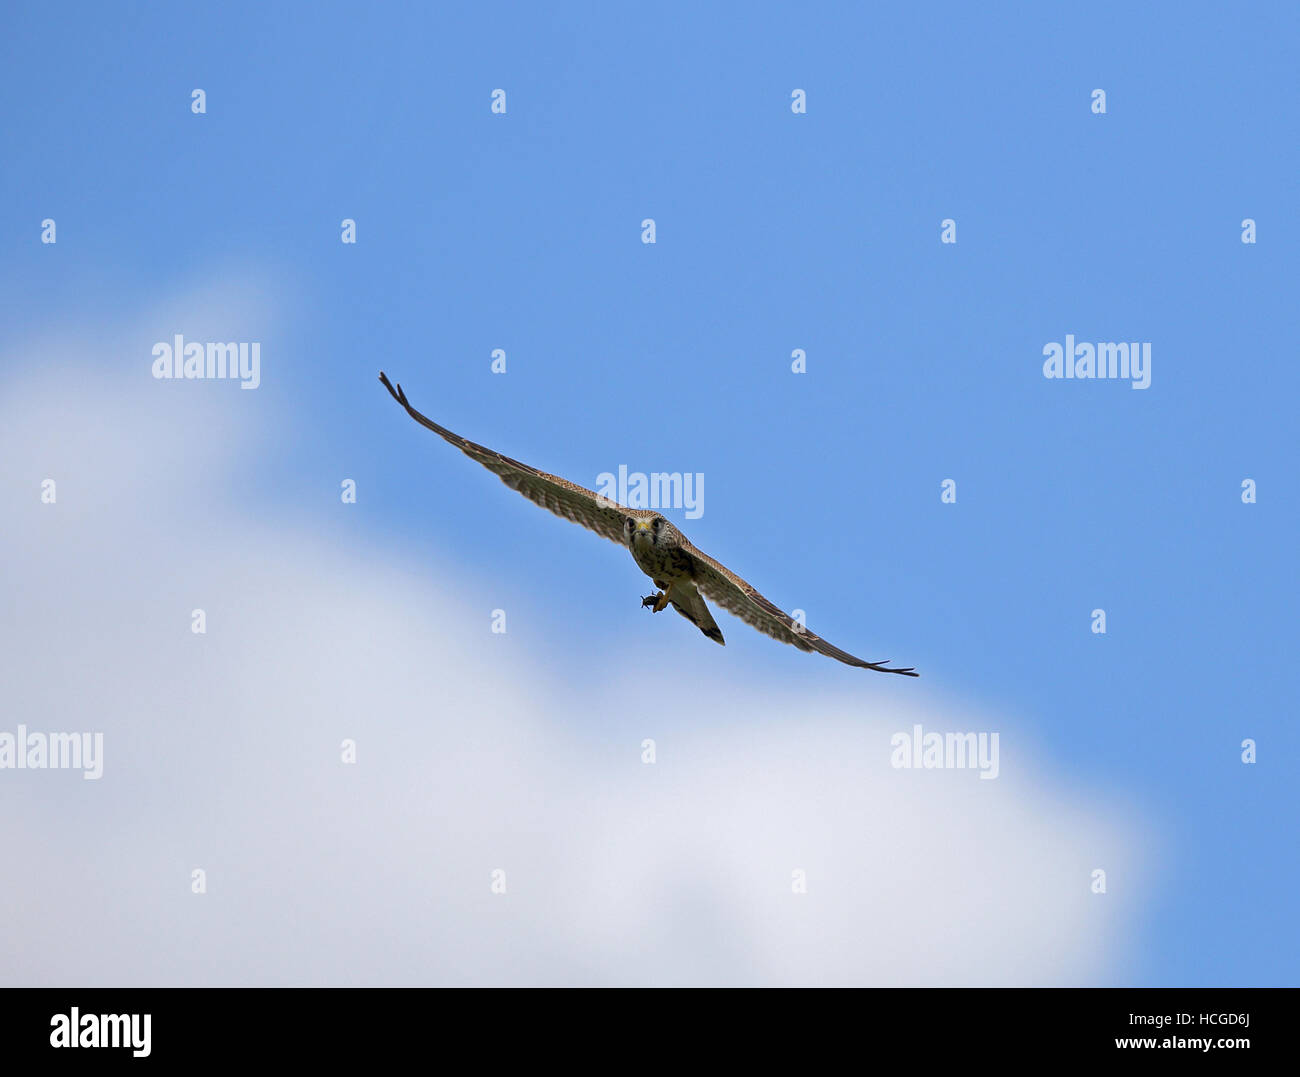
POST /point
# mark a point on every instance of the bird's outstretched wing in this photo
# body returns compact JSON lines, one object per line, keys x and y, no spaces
{"x":733,"y":594}
{"x":564,"y":498}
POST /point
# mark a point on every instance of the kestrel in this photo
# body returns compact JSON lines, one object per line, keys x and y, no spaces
{"x":685,"y":576}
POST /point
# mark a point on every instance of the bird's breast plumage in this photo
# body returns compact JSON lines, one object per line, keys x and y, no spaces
{"x":661,"y":562}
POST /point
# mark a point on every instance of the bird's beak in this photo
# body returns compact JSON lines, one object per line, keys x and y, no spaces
{"x":643,"y":525}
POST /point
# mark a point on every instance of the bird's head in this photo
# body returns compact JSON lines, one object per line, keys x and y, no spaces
{"x":650,"y":531}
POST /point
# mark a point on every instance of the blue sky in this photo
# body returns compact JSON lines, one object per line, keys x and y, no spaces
{"x":775,"y":231}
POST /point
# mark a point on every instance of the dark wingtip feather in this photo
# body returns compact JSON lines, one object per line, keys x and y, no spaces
{"x":881,"y":667}
{"x":397,"y":393}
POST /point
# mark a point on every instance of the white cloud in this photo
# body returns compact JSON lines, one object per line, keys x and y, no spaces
{"x":222,"y":752}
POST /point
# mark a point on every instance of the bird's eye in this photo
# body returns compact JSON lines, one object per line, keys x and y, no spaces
{"x":657,"y":522}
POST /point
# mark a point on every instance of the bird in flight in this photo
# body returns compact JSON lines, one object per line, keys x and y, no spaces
{"x":685,"y":576}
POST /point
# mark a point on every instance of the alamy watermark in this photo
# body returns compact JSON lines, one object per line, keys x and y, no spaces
{"x":658,"y":490}
{"x":53,"y":751}
{"x":1122,"y":361}
{"x":176,"y":359}
{"x":120,"y":1030}
{"x":945,"y":751}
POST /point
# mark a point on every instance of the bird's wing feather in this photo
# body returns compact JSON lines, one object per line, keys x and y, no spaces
{"x":733,"y":594}
{"x":564,"y":498}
